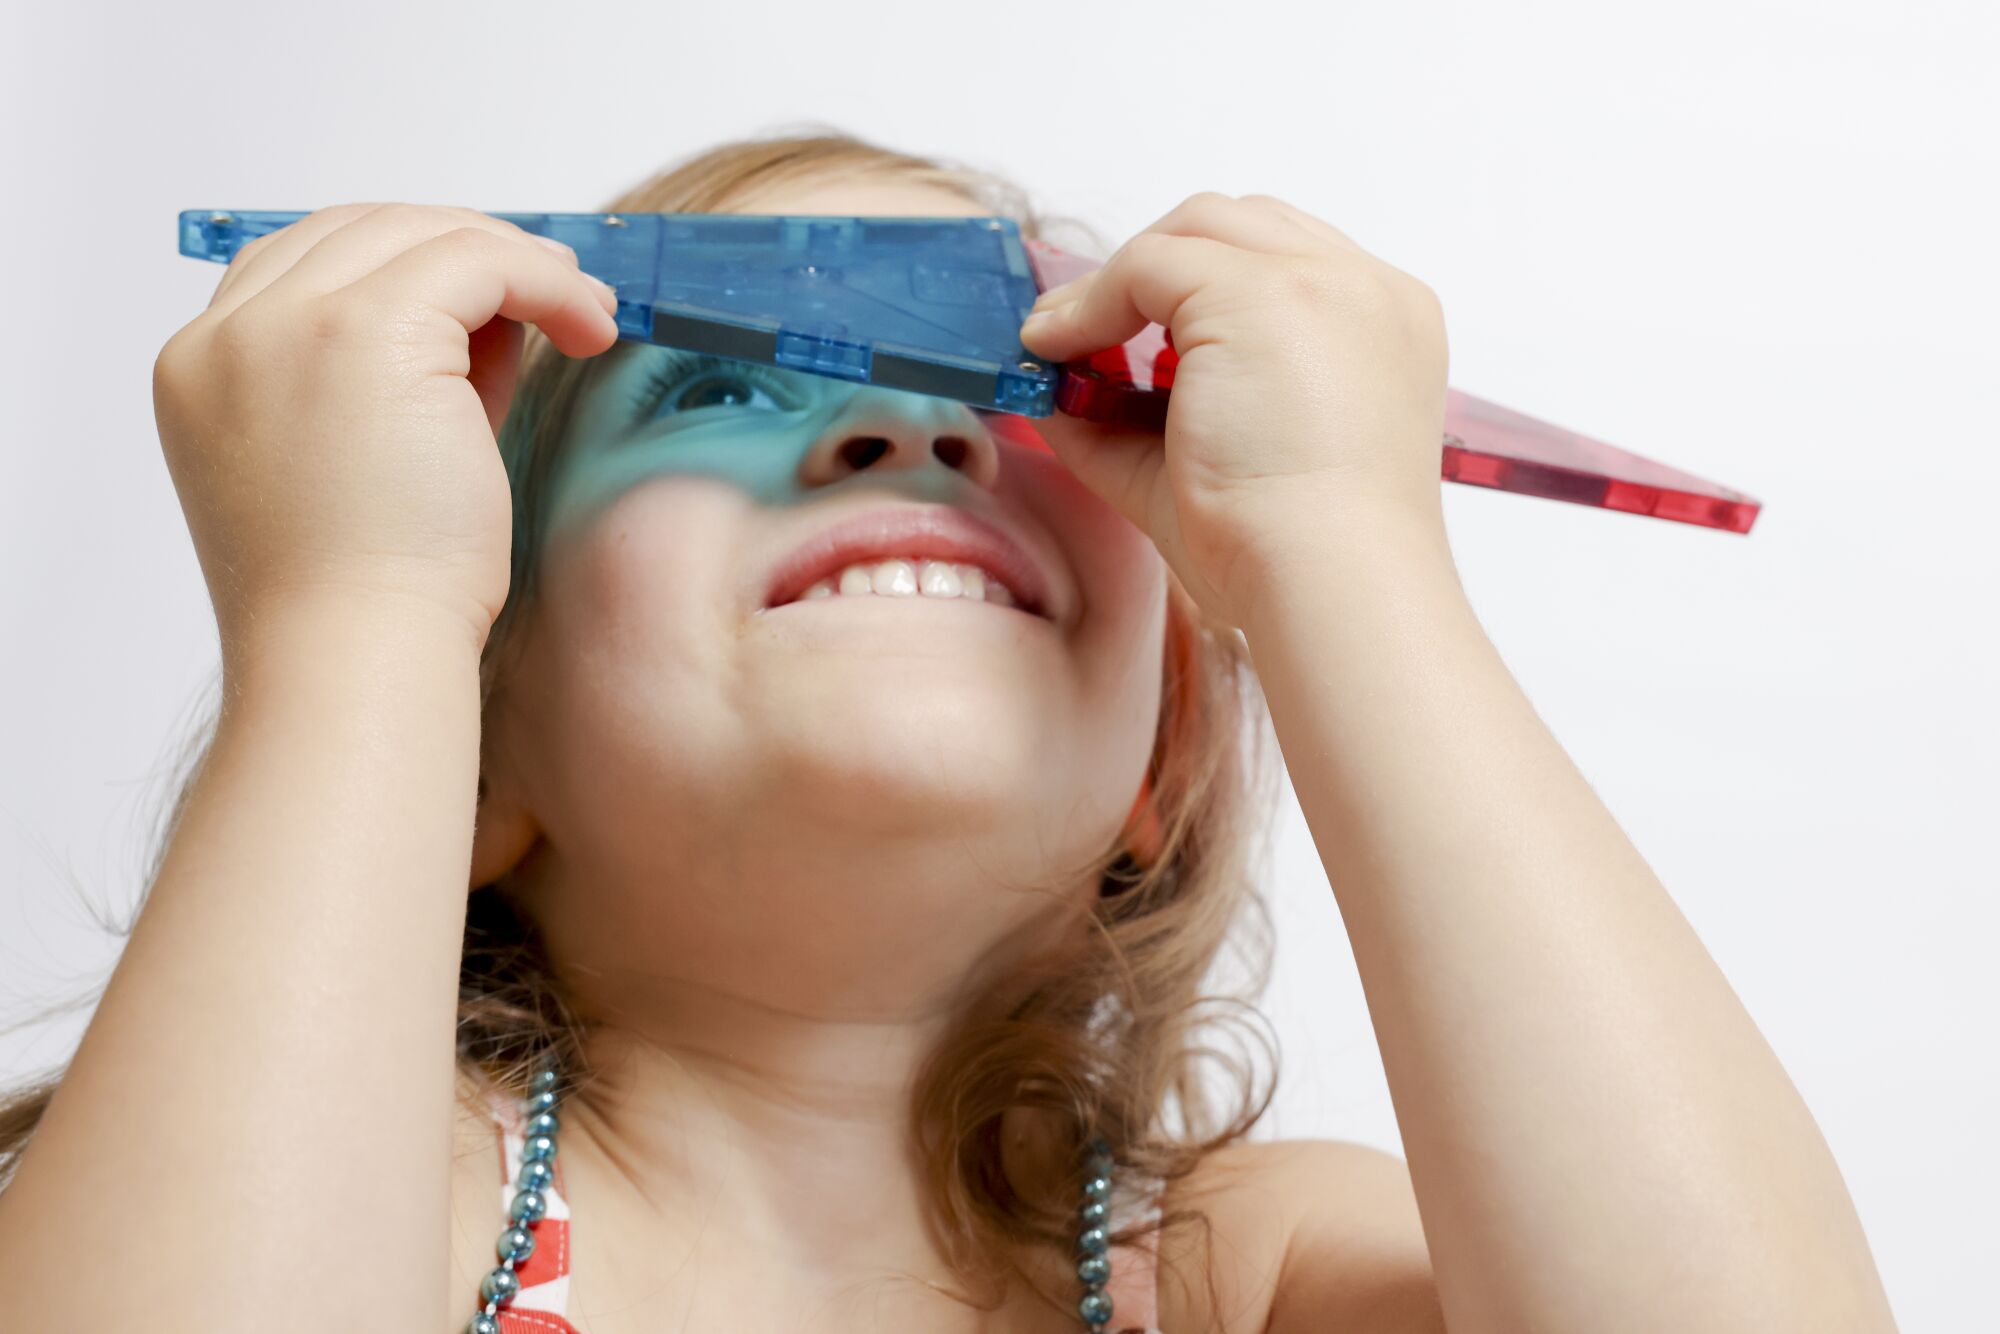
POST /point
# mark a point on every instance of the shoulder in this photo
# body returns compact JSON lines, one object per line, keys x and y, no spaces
{"x":1302,"y":1236}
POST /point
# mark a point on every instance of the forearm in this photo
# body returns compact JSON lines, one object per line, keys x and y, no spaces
{"x":1598,"y":1135}
{"x":255,"y":1129}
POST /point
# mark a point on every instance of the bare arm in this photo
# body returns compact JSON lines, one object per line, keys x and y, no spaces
{"x":255,"y":1130}
{"x":1598,"y":1135}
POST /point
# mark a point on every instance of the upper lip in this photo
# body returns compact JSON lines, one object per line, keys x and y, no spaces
{"x":940,"y":532}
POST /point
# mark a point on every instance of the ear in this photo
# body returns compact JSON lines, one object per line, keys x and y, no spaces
{"x":502,"y":833}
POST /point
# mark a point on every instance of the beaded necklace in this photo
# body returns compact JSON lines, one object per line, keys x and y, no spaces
{"x":538,"y":1170}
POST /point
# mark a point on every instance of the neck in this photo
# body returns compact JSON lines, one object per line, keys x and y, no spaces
{"x":739,"y":1129}
{"x":748,"y":1118}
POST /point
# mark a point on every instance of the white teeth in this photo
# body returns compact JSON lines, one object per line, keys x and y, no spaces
{"x":939,"y":580}
{"x":902,"y":578}
{"x":895,"y":578}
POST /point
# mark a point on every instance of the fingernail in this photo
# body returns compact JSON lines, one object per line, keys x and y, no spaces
{"x":1058,"y":295}
{"x":1041,"y":319}
{"x":607,"y":295}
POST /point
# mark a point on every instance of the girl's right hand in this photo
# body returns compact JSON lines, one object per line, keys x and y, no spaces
{"x":330,"y":421}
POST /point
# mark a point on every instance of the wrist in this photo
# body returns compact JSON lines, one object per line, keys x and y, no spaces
{"x":370,"y":640}
{"x":1335,"y":555}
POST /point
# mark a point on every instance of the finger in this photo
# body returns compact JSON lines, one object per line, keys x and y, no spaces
{"x":263,"y":258}
{"x":1078,"y":308}
{"x":1254,"y":222}
{"x":365,"y":244}
{"x":1062,"y":293}
{"x":473,"y":274}
{"x":1145,"y":282}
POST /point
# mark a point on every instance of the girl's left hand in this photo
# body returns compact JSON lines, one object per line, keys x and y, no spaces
{"x":1309,"y":395}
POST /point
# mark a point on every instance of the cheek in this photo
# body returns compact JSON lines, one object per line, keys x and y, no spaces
{"x":628,"y":687}
{"x":634,"y":603}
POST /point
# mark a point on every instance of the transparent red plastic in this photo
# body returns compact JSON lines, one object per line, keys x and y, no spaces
{"x":1485,"y":444}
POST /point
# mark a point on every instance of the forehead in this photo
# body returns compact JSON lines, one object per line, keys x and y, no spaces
{"x":860,"y":196}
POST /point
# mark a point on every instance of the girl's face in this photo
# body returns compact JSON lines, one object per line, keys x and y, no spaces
{"x":835,"y":801}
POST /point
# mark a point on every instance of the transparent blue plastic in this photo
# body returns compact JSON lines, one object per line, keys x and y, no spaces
{"x":932,"y":305}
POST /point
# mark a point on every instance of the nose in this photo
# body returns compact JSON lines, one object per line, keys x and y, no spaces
{"x":897,"y":430}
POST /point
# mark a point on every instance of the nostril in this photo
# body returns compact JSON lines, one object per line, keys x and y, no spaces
{"x":952,"y":449}
{"x":862,"y":450}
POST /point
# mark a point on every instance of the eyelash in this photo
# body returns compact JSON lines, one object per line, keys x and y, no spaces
{"x":683,"y":368}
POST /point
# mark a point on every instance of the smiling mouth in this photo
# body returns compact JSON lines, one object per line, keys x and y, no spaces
{"x":917,"y":580}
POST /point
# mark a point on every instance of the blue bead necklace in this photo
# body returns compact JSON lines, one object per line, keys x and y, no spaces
{"x":538,"y":1171}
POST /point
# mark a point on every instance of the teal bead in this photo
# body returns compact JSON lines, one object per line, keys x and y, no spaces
{"x":544,"y":1081}
{"x":482,"y":1324}
{"x":538,"y":1103}
{"x":1093,"y":1270}
{"x":536,"y":1174}
{"x":500,"y":1286}
{"x":515,"y":1245}
{"x":1093,"y":1241}
{"x":542,"y":1123}
{"x":529,"y":1206}
{"x":538,"y":1146}
{"x":1095,"y":1308}
{"x":1094,"y":1212}
{"x":1097,"y":1188}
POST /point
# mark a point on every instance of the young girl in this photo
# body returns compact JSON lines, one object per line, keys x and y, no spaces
{"x":856,"y":789}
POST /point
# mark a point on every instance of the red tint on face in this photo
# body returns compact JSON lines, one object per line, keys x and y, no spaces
{"x":1015,"y":428}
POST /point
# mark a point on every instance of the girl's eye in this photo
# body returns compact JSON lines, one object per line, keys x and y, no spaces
{"x":686,"y":382}
{"x":720,"y":391}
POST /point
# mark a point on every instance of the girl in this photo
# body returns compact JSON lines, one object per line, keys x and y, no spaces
{"x":855,"y":790}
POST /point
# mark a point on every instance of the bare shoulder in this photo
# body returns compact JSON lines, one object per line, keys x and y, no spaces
{"x":1301,"y":1236}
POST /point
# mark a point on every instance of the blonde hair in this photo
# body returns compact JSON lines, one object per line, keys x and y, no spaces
{"x":1101,"y":1041}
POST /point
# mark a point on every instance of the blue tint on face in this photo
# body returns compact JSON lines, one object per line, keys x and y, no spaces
{"x":658,"y":411}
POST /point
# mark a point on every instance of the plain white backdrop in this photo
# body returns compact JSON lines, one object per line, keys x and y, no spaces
{"x":1753,"y":239}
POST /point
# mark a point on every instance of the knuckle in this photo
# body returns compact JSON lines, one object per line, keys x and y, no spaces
{"x":345,"y":212}
{"x":1326,"y":280}
{"x":1266,"y":201}
{"x":1356,"y":288}
{"x":337,"y":215}
{"x":393,"y":216}
{"x":1426,"y":300}
{"x":344,"y":316}
{"x":249,"y":250}
{"x":1202,"y":204}
{"x":467,"y":219}
{"x":175,"y":354}
{"x":237,"y":336}
{"x":470,"y":236}
{"x":230,"y":330}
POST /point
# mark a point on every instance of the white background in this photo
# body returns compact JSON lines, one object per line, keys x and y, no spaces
{"x":1753,"y":239}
